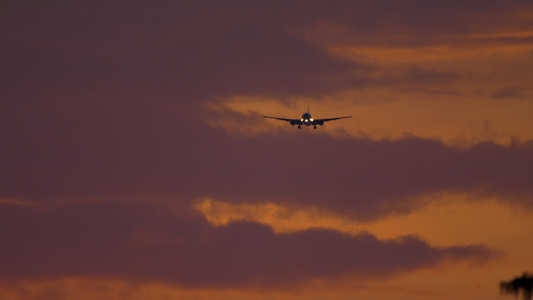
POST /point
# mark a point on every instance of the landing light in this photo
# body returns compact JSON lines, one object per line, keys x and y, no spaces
{"x":302,"y":120}
{"x":311,"y":120}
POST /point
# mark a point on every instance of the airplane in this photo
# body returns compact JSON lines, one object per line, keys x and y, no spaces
{"x":307,"y":120}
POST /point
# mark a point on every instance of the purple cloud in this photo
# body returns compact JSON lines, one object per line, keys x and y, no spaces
{"x":94,"y":239}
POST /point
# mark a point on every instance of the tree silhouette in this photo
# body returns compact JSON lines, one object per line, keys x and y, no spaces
{"x":524,"y":283}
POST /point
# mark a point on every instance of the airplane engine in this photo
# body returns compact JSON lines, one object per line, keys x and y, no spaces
{"x":292,"y":122}
{"x":320,"y":122}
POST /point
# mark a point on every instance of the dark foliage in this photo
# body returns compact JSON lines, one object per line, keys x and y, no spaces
{"x":524,"y":283}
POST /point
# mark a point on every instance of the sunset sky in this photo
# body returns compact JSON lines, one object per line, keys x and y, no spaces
{"x":135,"y":162}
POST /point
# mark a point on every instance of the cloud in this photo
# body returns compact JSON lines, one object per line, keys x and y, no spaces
{"x":198,"y":51}
{"x":165,"y":147}
{"x":236,"y":48}
{"x":411,"y":24}
{"x":95,"y":240}
{"x":117,"y":154}
{"x":515,"y":92}
{"x":107,"y":99}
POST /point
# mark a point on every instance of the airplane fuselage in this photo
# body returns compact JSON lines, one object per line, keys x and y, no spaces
{"x":306,"y":119}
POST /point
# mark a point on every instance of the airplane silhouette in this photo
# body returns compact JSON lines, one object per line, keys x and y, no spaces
{"x":307,"y":120}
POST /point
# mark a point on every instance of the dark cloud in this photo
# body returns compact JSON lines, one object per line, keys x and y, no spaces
{"x":516,"y":92}
{"x":193,"y":51}
{"x":199,"y":50}
{"x":108,"y":139}
{"x":149,"y":150}
{"x":89,"y":112}
{"x":107,"y":98}
{"x":95,"y":239}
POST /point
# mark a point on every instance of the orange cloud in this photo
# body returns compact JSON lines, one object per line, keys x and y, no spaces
{"x":281,"y":218}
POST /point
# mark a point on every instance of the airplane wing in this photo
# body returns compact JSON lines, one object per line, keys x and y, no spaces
{"x":292,"y":121}
{"x":321,"y":121}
